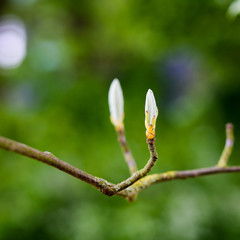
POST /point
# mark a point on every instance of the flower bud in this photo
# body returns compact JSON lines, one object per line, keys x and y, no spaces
{"x":151,"y":113}
{"x":115,"y":101}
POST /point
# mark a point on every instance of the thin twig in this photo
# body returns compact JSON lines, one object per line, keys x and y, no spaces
{"x":228,"y":146}
{"x":126,"y":151}
{"x":132,"y":166}
{"x":149,"y":180}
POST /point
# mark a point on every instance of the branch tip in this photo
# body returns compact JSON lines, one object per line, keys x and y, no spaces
{"x":227,"y":151}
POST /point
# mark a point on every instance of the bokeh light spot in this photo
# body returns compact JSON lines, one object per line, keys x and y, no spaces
{"x":13,"y":42}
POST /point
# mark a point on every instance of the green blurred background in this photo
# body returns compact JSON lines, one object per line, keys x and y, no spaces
{"x":187,"y":52}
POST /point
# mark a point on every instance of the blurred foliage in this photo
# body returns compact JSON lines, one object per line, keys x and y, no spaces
{"x":187,"y":52}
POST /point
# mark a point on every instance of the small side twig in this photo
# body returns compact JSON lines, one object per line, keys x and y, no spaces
{"x":228,"y":146}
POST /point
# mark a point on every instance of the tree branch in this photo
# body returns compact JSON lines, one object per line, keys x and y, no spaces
{"x":221,"y":167}
{"x":53,"y":161}
{"x":138,"y":181}
{"x":101,"y":184}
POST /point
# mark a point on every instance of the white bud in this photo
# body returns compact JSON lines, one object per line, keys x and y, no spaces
{"x":151,"y":110}
{"x":115,"y":101}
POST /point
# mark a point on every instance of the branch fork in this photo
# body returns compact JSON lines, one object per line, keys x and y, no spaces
{"x":139,"y":179}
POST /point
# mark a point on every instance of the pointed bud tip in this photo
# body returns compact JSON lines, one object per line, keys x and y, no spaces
{"x":150,"y":108}
{"x":150,"y":94}
{"x":115,"y":81}
{"x":149,"y":91}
